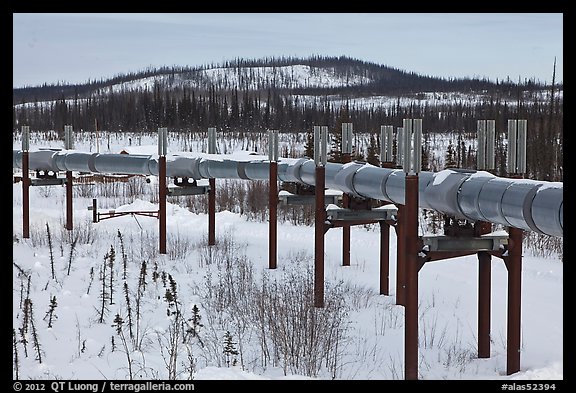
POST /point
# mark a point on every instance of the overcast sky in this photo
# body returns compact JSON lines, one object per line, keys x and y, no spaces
{"x":72,"y":48}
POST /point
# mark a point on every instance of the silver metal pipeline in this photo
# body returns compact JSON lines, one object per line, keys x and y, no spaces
{"x":474,"y":195}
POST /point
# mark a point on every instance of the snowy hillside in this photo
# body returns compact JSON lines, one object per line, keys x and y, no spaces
{"x":100,"y":302}
{"x":251,"y":78}
{"x":294,"y":77}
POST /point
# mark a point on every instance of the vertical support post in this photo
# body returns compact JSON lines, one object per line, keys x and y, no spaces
{"x":400,"y":259}
{"x":69,"y":145}
{"x":212,"y":212}
{"x":484,"y":292}
{"x":69,"y":210}
{"x":514,"y":265}
{"x":162,"y":196}
{"x":514,"y":258}
{"x":25,"y":182}
{"x":273,"y":207}
{"x":516,"y":169}
{"x":320,"y":145}
{"x":412,"y":163}
{"x":411,"y":268}
{"x":273,"y":199}
{"x":320,"y":217}
{"x":212,"y":191}
{"x":345,"y":233}
{"x":484,"y":289}
{"x":94,"y":210}
{"x":384,"y":258}
{"x":346,"y":153}
{"x":162,"y":191}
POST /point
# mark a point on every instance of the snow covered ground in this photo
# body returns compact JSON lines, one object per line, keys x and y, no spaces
{"x":84,"y":342}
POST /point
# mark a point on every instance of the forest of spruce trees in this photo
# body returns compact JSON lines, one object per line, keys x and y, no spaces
{"x":185,"y":100}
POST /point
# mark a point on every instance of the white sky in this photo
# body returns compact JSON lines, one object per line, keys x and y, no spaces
{"x":50,"y":48}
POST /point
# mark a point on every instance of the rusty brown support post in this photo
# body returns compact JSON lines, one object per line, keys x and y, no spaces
{"x":345,"y":235}
{"x":212,"y":191}
{"x":484,"y":292}
{"x":69,"y":144}
{"x":273,"y":223}
{"x":162,"y":196}
{"x":400,"y":258}
{"x":484,"y":289}
{"x":69,"y":222}
{"x":516,"y":165}
{"x":94,"y":210}
{"x":320,"y":218}
{"x":514,"y":265}
{"x":212,"y":212}
{"x":345,"y":228}
{"x":25,"y":196}
{"x":384,"y":258}
{"x":411,"y":260}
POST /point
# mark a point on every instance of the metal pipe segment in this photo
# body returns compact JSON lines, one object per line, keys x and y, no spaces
{"x":474,"y":195}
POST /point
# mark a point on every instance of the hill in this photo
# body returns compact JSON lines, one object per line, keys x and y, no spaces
{"x":293,"y":95}
{"x":310,"y":76}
